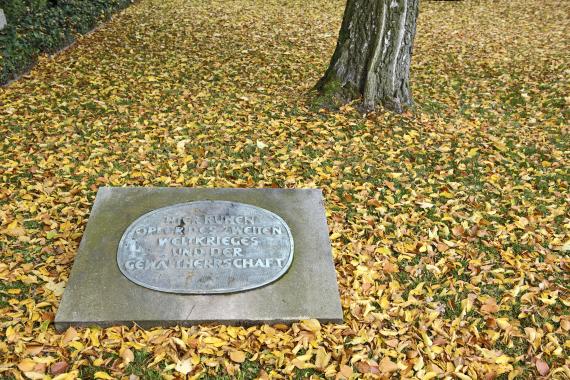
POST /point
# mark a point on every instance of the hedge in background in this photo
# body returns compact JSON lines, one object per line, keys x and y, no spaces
{"x":45,"y":26}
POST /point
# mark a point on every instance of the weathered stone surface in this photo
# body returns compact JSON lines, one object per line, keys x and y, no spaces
{"x":98,"y":293}
{"x":206,"y":247}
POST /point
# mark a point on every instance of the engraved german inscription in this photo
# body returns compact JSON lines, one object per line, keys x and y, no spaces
{"x":206,"y":247}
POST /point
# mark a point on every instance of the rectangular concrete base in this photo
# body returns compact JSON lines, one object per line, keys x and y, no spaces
{"x":97,"y":293}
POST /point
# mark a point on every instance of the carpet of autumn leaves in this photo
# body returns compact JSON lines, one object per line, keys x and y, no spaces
{"x":450,"y":223}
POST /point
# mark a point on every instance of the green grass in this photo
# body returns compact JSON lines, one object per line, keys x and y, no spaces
{"x":25,"y":291}
{"x":248,"y":370}
{"x":139,"y":367}
{"x":87,"y":372}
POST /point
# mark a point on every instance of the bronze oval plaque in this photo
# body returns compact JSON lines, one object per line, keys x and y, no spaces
{"x":206,"y":247}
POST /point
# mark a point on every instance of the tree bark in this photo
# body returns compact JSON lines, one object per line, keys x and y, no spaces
{"x":373,"y":54}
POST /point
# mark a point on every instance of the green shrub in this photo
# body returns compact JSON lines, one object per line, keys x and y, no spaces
{"x":45,"y":26}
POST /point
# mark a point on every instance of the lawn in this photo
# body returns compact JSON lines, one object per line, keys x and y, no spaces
{"x":450,"y":223}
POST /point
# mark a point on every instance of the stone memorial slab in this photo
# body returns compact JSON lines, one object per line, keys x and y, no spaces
{"x":168,"y":256}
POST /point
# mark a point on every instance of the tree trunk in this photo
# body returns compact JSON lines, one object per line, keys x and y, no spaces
{"x":373,"y":54}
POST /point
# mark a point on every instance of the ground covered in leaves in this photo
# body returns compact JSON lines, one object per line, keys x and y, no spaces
{"x":449,"y":223}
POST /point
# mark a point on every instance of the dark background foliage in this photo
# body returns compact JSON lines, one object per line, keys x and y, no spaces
{"x":45,"y":26}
